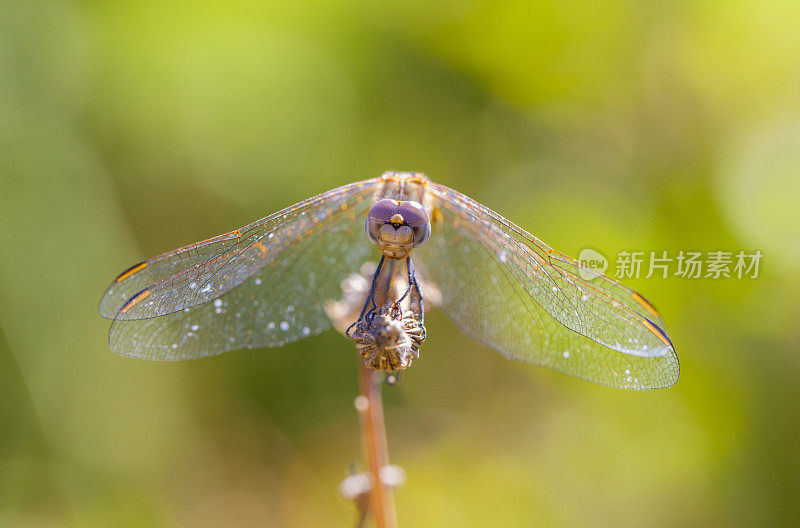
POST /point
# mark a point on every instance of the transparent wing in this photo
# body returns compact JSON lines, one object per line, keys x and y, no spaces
{"x":203,"y":271}
{"x":283,"y":299}
{"x":512,"y":292}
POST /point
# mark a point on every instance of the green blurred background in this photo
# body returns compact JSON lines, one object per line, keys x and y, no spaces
{"x":127,"y":129}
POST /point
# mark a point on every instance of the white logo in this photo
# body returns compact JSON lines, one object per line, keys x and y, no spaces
{"x":591,"y":264}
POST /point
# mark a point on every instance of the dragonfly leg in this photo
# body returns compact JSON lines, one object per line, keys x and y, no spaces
{"x":370,"y":297}
{"x":421,"y":301}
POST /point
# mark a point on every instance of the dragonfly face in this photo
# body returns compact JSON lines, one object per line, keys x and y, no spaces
{"x":397,"y":227}
{"x":272,"y":282}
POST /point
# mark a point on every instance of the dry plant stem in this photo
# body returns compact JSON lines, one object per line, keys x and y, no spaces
{"x":373,"y":432}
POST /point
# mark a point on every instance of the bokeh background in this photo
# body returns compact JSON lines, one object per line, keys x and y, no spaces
{"x":130,"y":128}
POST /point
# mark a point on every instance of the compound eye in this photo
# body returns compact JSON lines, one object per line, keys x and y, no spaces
{"x":413,"y":213}
{"x":383,"y":210}
{"x":421,"y":234}
{"x":372,"y":227}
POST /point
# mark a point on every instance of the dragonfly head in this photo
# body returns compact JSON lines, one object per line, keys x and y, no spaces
{"x":397,"y":227}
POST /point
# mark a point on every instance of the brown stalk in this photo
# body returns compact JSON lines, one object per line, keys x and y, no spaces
{"x":373,"y":428}
{"x":373,"y":433}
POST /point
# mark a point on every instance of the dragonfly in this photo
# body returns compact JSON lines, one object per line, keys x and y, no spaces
{"x":271,"y":282}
